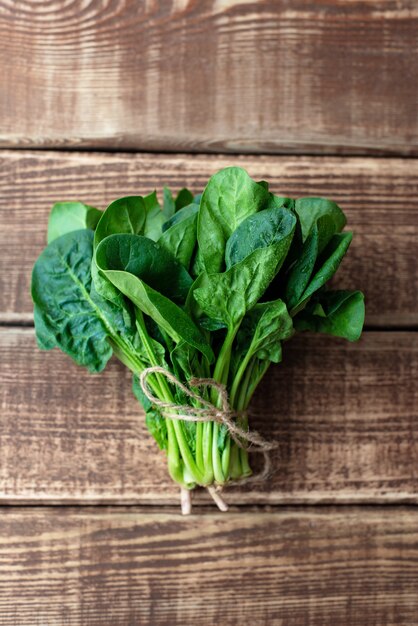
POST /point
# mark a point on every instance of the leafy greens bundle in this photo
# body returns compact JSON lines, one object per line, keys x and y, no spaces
{"x":204,"y":286}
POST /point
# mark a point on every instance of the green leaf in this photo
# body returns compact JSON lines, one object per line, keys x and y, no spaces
{"x":171,"y":318}
{"x":113,"y":258}
{"x":301,"y":272}
{"x":180,"y":239}
{"x":126,"y":215}
{"x":229,"y":197}
{"x":263,"y":329}
{"x":66,"y":217}
{"x":270,"y":227}
{"x":197,"y":265}
{"x":328,"y":263}
{"x":157,"y":426}
{"x":155,"y":217}
{"x":147,"y":260}
{"x":264,"y":184}
{"x":280,"y":201}
{"x":154,"y":421}
{"x":338,"y":313}
{"x":186,"y":358}
{"x":184,"y":198}
{"x":183,"y":214}
{"x":169,"y":206}
{"x":226,"y":297}
{"x":310,"y":209}
{"x":139,"y":394}
{"x":66,"y":315}
{"x":44,"y":335}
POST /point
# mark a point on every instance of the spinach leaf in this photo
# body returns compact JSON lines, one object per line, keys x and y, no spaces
{"x":225,"y":297}
{"x":186,"y":359}
{"x":339,"y":313}
{"x":66,"y":217}
{"x":270,"y":227}
{"x":169,"y":206}
{"x":157,"y":426}
{"x":154,"y":421}
{"x":171,"y":318}
{"x":66,"y":314}
{"x":310,"y":209}
{"x":180,"y":239}
{"x":126,"y":215}
{"x":229,"y":197}
{"x":155,"y":217}
{"x":301,"y":272}
{"x":184,"y":198}
{"x":264,"y":184}
{"x":147,"y":260}
{"x":328,"y":263}
{"x":263,"y":329}
{"x":182,"y":214}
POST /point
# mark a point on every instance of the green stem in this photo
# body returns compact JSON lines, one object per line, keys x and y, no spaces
{"x":238,"y":377}
{"x":220,"y":375}
{"x":194,"y":473}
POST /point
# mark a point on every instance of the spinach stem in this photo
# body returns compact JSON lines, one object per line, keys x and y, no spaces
{"x":220,"y":375}
{"x":174,"y":424}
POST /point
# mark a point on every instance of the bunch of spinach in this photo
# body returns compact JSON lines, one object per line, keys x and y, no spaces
{"x":204,"y":286}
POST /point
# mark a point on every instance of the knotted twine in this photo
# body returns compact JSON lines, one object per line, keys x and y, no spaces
{"x":208,"y":412}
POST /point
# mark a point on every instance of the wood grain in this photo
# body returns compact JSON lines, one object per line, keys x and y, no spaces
{"x":344,"y":416}
{"x":81,"y":567}
{"x":380,"y":197}
{"x":218,"y":75}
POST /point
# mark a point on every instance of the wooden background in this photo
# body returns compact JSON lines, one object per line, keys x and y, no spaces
{"x":103,"y":98}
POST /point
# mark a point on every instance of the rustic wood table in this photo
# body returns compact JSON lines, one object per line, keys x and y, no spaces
{"x":100,"y":99}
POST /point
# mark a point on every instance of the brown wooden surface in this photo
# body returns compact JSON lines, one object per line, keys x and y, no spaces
{"x":219,"y":75}
{"x":82,"y":567}
{"x":257,"y":76}
{"x":380,"y":197}
{"x":343,"y":414}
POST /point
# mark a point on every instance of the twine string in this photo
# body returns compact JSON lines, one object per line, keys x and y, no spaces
{"x":207,"y":412}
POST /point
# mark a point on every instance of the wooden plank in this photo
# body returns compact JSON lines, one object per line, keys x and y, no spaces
{"x":344,"y":416}
{"x":218,"y":75}
{"x":320,"y":567}
{"x":380,"y":197}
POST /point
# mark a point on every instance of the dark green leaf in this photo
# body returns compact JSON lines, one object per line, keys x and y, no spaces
{"x":157,"y":426}
{"x":65,"y":312}
{"x":180,"y":239}
{"x":170,"y":317}
{"x":155,"y":217}
{"x":310,"y":209}
{"x":267,"y":228}
{"x":328,"y":263}
{"x":126,"y":215}
{"x":229,"y":197}
{"x":339,"y":313}
{"x":183,"y":214}
{"x":225,"y":297}
{"x":301,"y":272}
{"x":147,"y":260}
{"x":169,"y":206}
{"x":263,"y":329}
{"x":264,"y":184}
{"x":184,"y":198}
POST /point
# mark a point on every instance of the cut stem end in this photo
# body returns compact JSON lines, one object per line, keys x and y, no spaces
{"x":186,"y":501}
{"x":219,"y":501}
